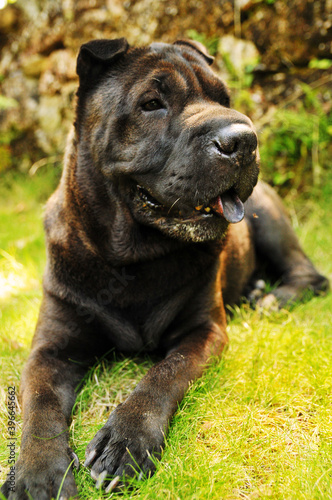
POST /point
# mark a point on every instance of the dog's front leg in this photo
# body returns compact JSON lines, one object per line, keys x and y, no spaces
{"x":135,"y":430}
{"x":56,"y":364}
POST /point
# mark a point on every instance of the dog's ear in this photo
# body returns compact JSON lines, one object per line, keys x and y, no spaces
{"x":96,"y":55}
{"x":198,"y":47}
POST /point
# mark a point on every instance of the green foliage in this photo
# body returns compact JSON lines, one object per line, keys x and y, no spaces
{"x":295,"y":145}
{"x":320,"y":63}
{"x":238,"y":79}
{"x":7,"y":103}
{"x":7,"y":136}
{"x":6,"y":157}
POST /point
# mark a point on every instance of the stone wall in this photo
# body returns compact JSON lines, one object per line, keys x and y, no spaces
{"x":39,"y":41}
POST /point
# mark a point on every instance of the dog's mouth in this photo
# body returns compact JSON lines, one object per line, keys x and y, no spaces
{"x":226,"y":205}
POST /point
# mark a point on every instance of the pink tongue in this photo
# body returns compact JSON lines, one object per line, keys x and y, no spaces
{"x":229,"y":206}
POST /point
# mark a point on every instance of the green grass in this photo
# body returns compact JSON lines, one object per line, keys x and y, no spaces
{"x":257,"y":425}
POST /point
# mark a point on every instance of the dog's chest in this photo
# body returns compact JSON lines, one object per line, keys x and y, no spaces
{"x":150,"y":306}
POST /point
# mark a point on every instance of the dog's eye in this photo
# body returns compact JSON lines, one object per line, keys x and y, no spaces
{"x":152,"y":105}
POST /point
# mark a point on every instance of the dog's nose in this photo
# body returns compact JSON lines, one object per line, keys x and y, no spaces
{"x":236,"y":139}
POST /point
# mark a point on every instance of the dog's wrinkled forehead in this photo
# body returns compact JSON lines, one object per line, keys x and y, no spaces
{"x":167,"y":51}
{"x":187,"y":62}
{"x":195,"y":49}
{"x":114,"y":65}
{"x":159,"y":47}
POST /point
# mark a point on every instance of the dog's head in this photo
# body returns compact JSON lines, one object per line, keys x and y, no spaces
{"x":157,"y":123}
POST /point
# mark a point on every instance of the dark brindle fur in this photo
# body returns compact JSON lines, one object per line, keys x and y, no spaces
{"x":143,"y":254}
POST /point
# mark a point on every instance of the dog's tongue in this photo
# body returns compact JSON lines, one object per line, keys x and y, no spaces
{"x":228,"y":205}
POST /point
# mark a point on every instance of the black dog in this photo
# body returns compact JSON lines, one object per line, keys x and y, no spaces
{"x":143,"y":253}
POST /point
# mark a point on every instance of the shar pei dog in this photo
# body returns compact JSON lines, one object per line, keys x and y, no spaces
{"x":157,"y":224}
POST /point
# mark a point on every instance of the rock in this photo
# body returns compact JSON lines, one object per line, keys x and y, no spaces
{"x":239,"y":53}
{"x":63,"y":64}
{"x":21,"y":89}
{"x":40,"y":41}
{"x":9,"y":17}
{"x":35,"y":65}
{"x":49,"y":116}
{"x":116,"y":9}
{"x":61,"y":68}
{"x":290,"y":33}
{"x":49,"y":132}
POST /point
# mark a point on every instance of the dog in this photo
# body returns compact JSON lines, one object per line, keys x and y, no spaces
{"x":158,"y":222}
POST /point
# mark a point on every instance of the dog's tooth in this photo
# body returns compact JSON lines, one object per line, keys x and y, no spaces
{"x":199,"y":207}
{"x":207,"y":209}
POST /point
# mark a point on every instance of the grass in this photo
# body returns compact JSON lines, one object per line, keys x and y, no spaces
{"x":256,"y":426}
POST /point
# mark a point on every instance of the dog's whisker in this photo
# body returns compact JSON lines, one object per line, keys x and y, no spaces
{"x":172,"y":206}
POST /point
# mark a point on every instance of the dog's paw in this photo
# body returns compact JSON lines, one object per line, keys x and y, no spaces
{"x":255,"y":292}
{"x":127,"y":446}
{"x":285,"y":296}
{"x":268,"y":303}
{"x":42,"y":478}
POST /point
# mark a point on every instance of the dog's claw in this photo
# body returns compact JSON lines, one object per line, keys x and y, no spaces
{"x":76,"y":462}
{"x":90,"y":458}
{"x":269,"y":303}
{"x":113,"y":484}
{"x":94,"y":475}
{"x":100,"y":479}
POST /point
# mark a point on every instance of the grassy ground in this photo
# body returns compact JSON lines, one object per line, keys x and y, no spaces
{"x":257,"y":425}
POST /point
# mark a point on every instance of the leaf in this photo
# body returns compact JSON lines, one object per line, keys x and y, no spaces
{"x":7,"y":102}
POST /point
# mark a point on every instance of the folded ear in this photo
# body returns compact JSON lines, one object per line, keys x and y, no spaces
{"x":198,"y":47}
{"x":96,"y":55}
